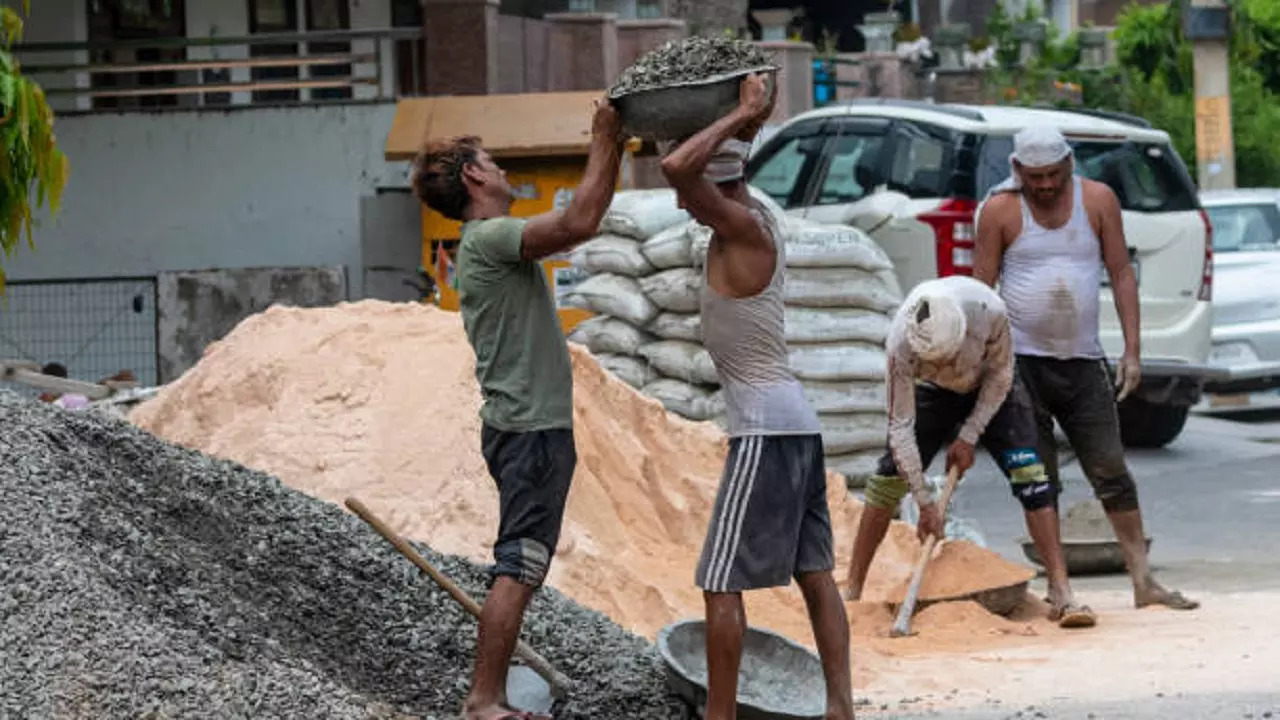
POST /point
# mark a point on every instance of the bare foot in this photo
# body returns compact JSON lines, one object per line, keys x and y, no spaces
{"x":848,"y":594}
{"x":1154,"y":594}
{"x":1064,"y":610}
{"x":498,"y":712}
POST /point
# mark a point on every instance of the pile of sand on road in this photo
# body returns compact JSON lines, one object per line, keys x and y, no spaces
{"x":379,"y":401}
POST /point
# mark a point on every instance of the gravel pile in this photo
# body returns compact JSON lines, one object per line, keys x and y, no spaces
{"x":688,"y":60}
{"x":138,"y":579}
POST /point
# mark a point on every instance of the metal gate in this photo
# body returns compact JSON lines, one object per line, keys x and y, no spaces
{"x":94,"y":327}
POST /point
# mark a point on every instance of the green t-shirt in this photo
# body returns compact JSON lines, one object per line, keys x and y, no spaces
{"x":522,"y":359}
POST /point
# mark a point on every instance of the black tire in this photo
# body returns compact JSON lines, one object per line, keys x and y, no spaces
{"x":1150,"y":425}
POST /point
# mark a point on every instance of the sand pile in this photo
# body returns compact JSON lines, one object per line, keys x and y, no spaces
{"x":378,"y":401}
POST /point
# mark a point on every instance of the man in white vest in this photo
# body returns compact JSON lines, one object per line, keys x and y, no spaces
{"x":1045,"y":235}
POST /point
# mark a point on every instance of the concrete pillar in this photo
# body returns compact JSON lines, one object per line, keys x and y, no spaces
{"x":582,"y":51}
{"x":949,"y":43}
{"x":637,"y":37}
{"x":1207,"y":26}
{"x":774,"y":23}
{"x":795,"y":79}
{"x":877,"y":29}
{"x":1093,"y":48}
{"x":462,"y":46}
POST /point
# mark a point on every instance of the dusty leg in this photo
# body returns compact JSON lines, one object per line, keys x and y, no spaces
{"x":1042,"y":525}
{"x":726,"y":625}
{"x":831,"y":630}
{"x":500,"y":621}
{"x":871,"y":531}
{"x":1132,"y":539}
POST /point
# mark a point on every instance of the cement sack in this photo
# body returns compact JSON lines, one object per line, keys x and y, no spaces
{"x":838,"y":361}
{"x":852,"y":432}
{"x":641,"y":214}
{"x":604,"y":334}
{"x":676,"y":290}
{"x":680,"y":398}
{"x":699,"y":241}
{"x":615,"y":295}
{"x":857,"y":467}
{"x":817,"y":245}
{"x":823,"y":325}
{"x":631,"y":370}
{"x":846,"y":397}
{"x":669,"y":248}
{"x":611,"y":254}
{"x":680,"y":360}
{"x":677,"y":326}
{"x":840,"y":288}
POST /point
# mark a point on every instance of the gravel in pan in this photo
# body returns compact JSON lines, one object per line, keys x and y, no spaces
{"x":687,"y":60}
{"x":141,"y":580}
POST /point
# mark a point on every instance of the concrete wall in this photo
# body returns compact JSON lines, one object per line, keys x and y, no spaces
{"x":391,"y":244}
{"x":198,"y":308}
{"x":213,"y":189}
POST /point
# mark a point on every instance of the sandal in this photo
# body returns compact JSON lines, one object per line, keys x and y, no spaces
{"x":1073,"y":615}
{"x":1174,"y":601}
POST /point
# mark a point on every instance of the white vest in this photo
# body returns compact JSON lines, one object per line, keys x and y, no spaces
{"x":1050,"y":282}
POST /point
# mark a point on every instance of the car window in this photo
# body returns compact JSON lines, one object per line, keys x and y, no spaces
{"x":781,"y":172}
{"x":1245,"y":227}
{"x":921,"y":164}
{"x":854,"y":169}
{"x":1146,"y":177}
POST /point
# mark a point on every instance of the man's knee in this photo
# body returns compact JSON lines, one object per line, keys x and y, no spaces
{"x":886,"y":491}
{"x":525,"y":560}
{"x":1031,"y":485}
{"x":1117,"y":493}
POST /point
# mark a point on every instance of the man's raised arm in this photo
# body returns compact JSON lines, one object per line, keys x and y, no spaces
{"x":560,"y":230}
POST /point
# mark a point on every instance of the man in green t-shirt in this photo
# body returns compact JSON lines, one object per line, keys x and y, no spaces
{"x":522,"y":365}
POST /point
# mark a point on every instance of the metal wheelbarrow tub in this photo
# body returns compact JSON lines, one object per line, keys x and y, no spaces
{"x":777,"y":680}
{"x":679,"y":110}
{"x":999,"y":600}
{"x":1084,"y":557}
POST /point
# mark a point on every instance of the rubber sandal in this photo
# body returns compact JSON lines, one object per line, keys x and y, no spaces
{"x":1073,"y":616}
{"x":1174,"y":601}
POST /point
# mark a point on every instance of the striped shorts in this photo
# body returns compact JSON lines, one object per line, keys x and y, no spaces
{"x":770,"y":522}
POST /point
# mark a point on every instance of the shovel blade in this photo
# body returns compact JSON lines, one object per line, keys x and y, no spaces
{"x":526,"y":690}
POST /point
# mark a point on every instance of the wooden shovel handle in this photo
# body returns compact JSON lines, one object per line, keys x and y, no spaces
{"x":902,"y":624}
{"x":559,"y":682}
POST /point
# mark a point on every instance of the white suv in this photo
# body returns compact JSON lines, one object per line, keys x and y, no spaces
{"x":911,"y":175}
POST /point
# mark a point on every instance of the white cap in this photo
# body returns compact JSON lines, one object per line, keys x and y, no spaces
{"x":1040,"y":146}
{"x":729,"y":161}
{"x":935,"y":327}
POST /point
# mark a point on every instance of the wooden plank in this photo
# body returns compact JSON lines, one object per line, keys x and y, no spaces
{"x":213,"y":88}
{"x":518,"y":125}
{"x":310,"y":60}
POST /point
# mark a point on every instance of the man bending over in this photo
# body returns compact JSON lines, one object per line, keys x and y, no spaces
{"x":951,"y":380}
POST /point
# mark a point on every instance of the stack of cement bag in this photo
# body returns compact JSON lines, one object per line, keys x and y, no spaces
{"x":645,"y":274}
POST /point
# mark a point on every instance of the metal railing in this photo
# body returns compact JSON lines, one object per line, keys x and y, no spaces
{"x":184,"y":72}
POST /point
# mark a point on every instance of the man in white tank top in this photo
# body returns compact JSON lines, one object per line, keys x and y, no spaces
{"x":770,"y":522}
{"x":1045,"y":235}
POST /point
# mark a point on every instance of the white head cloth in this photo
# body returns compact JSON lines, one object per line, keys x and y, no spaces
{"x":935,"y":328}
{"x":728,"y":163}
{"x":1034,"y":147}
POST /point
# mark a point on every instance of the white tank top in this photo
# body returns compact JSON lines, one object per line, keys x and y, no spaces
{"x":1050,"y":281}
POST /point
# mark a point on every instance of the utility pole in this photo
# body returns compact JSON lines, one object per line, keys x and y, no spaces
{"x":1207,"y":24}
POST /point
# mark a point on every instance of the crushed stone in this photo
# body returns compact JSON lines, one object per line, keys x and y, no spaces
{"x":139,"y":579}
{"x":688,"y":60}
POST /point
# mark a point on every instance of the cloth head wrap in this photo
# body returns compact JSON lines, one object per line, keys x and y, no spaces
{"x":935,"y":328}
{"x":727,"y":164}
{"x":1034,"y":147}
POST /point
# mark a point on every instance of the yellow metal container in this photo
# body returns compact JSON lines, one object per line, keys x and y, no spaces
{"x":539,"y":139}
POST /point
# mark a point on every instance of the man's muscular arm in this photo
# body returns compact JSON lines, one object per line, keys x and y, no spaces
{"x":1099,"y":198}
{"x":993,"y":221}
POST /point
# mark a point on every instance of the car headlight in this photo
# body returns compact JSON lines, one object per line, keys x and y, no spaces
{"x":1231,"y":354}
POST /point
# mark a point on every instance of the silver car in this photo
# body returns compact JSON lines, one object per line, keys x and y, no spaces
{"x":1246,"y":288}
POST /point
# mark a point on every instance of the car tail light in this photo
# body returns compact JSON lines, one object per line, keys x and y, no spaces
{"x":1206,"y":277}
{"x":952,"y":224}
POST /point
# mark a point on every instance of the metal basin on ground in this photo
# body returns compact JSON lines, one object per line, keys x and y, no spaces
{"x":1085,"y":557}
{"x":778,"y":679}
{"x":679,"y":110}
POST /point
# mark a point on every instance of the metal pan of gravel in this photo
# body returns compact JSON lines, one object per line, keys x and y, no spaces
{"x":685,"y":85}
{"x":140,"y":579}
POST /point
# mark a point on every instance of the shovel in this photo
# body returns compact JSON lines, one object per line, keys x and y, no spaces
{"x":532,"y":688}
{"x":902,"y":625}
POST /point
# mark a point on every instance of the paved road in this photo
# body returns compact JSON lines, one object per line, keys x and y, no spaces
{"x":1204,"y":707}
{"x":1211,"y":501}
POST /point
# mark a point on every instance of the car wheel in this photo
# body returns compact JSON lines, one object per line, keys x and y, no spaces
{"x":1150,"y":425}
